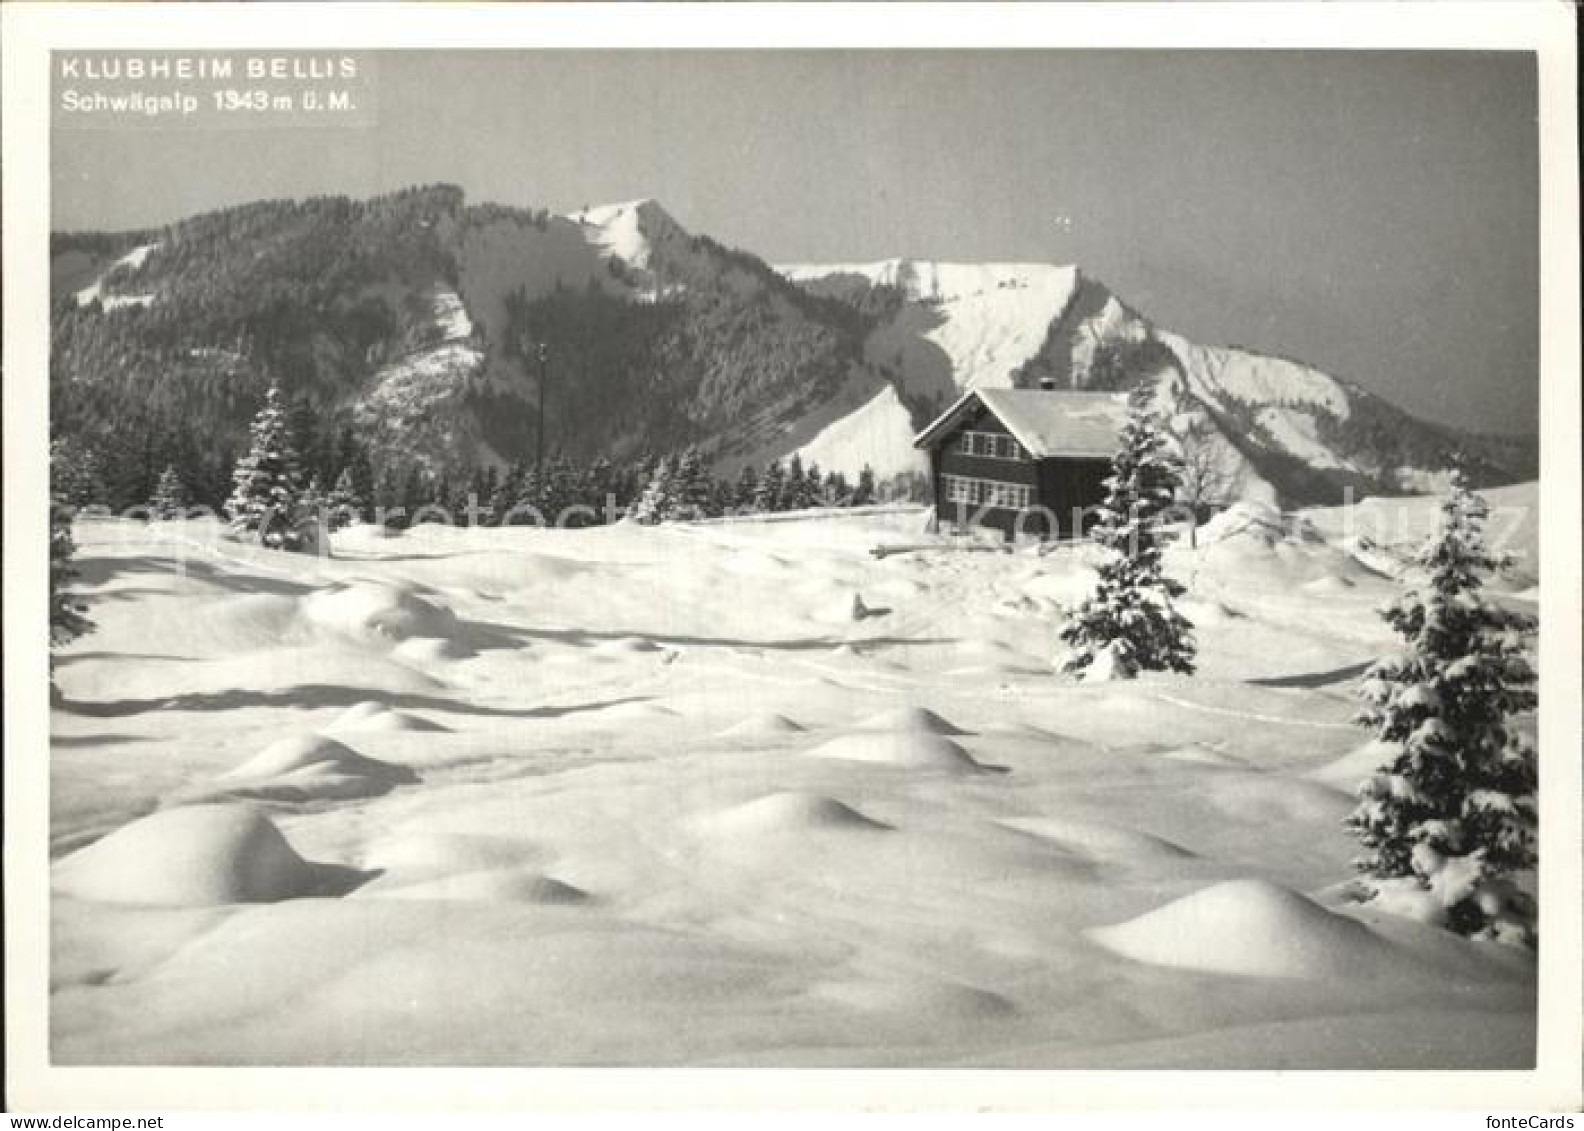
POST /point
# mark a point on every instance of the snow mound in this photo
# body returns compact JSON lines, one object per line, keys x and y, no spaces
{"x":913,"y":720}
{"x":909,"y":749}
{"x":312,"y":767}
{"x":767,"y":724}
{"x":196,"y":856}
{"x":1355,"y":767}
{"x":1328,"y":583}
{"x":790,"y":811}
{"x":1248,"y":927}
{"x":503,"y":885}
{"x":371,"y":609}
{"x":373,"y":717}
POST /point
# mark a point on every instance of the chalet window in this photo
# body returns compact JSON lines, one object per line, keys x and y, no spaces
{"x":990,"y":445}
{"x":986,"y":492}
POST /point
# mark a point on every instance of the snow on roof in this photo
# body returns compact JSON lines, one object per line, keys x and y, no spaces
{"x":1046,"y":422}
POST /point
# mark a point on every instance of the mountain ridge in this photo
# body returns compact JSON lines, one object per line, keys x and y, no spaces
{"x":416,"y":318}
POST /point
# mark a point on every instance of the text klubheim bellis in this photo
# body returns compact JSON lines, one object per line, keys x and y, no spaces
{"x":120,"y":67}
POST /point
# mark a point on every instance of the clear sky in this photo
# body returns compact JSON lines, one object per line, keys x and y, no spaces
{"x":1375,"y":214}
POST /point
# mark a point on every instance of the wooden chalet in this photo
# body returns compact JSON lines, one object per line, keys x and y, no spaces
{"x":1027,"y":462}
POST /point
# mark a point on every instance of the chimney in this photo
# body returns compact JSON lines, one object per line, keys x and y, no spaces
{"x":1048,"y":384}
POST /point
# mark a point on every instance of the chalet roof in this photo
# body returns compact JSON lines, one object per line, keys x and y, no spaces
{"x":1046,"y":422}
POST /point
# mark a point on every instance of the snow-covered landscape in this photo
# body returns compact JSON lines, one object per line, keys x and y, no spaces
{"x":1011,"y":558}
{"x":737,"y":793}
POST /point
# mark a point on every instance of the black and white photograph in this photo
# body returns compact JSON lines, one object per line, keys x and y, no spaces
{"x":988,"y":555}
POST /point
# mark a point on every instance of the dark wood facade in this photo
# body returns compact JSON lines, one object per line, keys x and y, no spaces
{"x":1045,"y":498}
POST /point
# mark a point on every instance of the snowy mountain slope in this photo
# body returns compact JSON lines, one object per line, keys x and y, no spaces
{"x":1286,"y":430}
{"x":879,"y":435}
{"x":420,"y":400}
{"x":413,"y":314}
{"x":986,"y":318}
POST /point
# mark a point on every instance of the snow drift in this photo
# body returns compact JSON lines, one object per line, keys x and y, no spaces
{"x":191,"y":857}
{"x":1249,"y":927}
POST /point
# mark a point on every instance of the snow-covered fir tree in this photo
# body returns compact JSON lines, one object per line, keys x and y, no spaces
{"x":344,"y":504}
{"x":659,"y":496}
{"x":267,"y":483}
{"x":1450,"y":815}
{"x":76,"y":477}
{"x":170,"y":499}
{"x":1130,"y":624}
{"x":694,"y":494}
{"x":66,"y":612}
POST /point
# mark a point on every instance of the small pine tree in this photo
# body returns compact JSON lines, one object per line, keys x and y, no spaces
{"x":343,"y":503}
{"x":170,"y":499}
{"x":795,"y":494}
{"x":76,"y":475}
{"x":267,"y":482}
{"x":314,"y":503}
{"x":772,"y":484}
{"x":864,"y":493}
{"x":659,"y":496}
{"x":529,"y":502}
{"x":694,"y":493}
{"x":838,"y":492}
{"x":1451,"y":811}
{"x":745,"y":494}
{"x":814,"y":486}
{"x":67,"y":620}
{"x":506,"y":493}
{"x":1130,"y":624}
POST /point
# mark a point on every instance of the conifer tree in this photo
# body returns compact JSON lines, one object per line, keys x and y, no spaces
{"x":838,"y":492}
{"x":1450,"y":814}
{"x":745,"y":494}
{"x":314,"y":498}
{"x":66,"y":612}
{"x":507,"y":492}
{"x":814,"y":486}
{"x":343,"y":503}
{"x":864,"y":493}
{"x":528,"y":504}
{"x":417,"y":491}
{"x":694,"y":494}
{"x":1130,"y":624}
{"x":794,"y":491}
{"x":767,"y":497}
{"x":170,"y":499}
{"x":76,"y":477}
{"x":267,"y":482}
{"x":656,"y":502}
